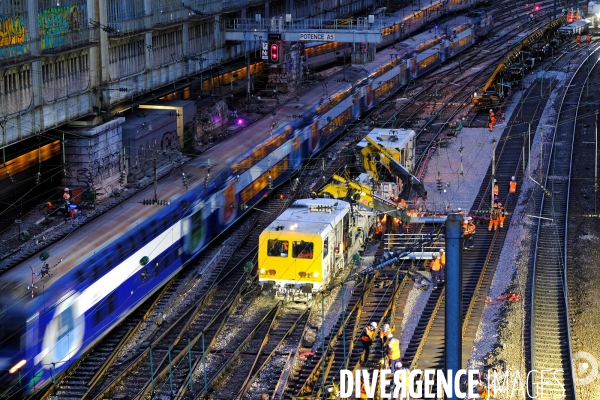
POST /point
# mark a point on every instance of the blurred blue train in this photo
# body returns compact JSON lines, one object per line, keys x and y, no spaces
{"x":44,"y":334}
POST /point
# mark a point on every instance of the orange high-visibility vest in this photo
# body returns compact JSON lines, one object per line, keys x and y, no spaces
{"x":393,"y":349}
{"x":435,"y":264}
{"x":496,"y":190}
{"x":363,"y":391}
{"x":471,"y":228}
{"x":513,"y":187}
{"x":367,"y":335}
{"x":442,"y":259}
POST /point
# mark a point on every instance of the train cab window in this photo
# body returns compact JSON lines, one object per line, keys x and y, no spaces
{"x":302,"y":249}
{"x":278,"y":248}
{"x":325,"y":247}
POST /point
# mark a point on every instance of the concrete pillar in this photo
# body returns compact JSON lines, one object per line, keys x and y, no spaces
{"x":103,"y":20}
{"x":185,"y":36}
{"x":94,"y":154}
{"x":453,"y":329}
{"x":33,"y":29}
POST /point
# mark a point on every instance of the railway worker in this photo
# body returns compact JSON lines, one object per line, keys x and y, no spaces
{"x":383,"y":333}
{"x":460,"y":212}
{"x":496,"y":190}
{"x":494,"y":218}
{"x":436,"y":270}
{"x":501,"y":215}
{"x":443,"y":263}
{"x":469,"y":234}
{"x":512,"y":189}
{"x":363,"y":391}
{"x":491,"y":120}
{"x":367,"y":336}
{"x":393,"y":351}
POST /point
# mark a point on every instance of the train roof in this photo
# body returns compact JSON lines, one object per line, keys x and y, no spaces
{"x":311,"y":216}
{"x":389,"y":138}
{"x":575,"y":24}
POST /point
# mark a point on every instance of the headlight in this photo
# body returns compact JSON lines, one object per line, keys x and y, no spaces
{"x":262,"y":271}
{"x":17,"y":366}
{"x":315,"y":274}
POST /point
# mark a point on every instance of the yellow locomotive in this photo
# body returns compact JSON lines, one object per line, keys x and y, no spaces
{"x":307,"y":244}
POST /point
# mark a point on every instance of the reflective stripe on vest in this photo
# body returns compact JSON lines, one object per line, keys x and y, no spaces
{"x":394,"y":349}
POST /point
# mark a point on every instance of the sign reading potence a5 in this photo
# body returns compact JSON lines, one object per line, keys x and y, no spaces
{"x":317,"y":37}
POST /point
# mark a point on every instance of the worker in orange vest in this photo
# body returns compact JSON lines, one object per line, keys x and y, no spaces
{"x":383,"y":333}
{"x":367,"y":336}
{"x":491,"y":120}
{"x":512,"y":189}
{"x":393,"y":351}
{"x":469,"y":231}
{"x":494,"y":219}
{"x":496,"y":190}
{"x":436,"y":270}
{"x":442,"y":258}
{"x":363,"y":391}
{"x":501,"y":215}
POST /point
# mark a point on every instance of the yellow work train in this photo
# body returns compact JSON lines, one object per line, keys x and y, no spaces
{"x":304,"y":247}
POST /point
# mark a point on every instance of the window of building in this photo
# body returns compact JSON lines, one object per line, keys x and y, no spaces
{"x":278,"y":248}
{"x":303,"y":249}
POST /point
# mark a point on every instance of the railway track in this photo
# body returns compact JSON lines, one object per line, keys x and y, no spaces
{"x":549,"y":332}
{"x":375,"y":303}
{"x":264,"y":350}
{"x":479,"y":264}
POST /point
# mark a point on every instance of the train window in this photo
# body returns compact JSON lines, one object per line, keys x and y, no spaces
{"x":121,"y":251}
{"x":303,"y":249}
{"x":95,"y":272}
{"x":325,"y":247}
{"x":80,"y":276}
{"x":155,"y":228}
{"x":132,"y":244}
{"x":278,"y":248}
{"x":111,"y":302}
{"x":97,"y":316}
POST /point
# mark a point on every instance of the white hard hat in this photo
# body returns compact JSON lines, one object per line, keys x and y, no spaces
{"x":441,"y":250}
{"x":398,"y":364}
{"x":495,"y":181}
{"x":469,"y":218}
{"x":374,"y":324}
{"x":491,"y":110}
{"x":386,"y":327}
{"x":389,"y":336}
{"x":459,"y":209}
{"x":66,"y":189}
{"x":512,"y":178}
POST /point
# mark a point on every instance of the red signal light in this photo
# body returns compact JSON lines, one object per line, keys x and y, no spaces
{"x":281,"y":196}
{"x":274,"y":55}
{"x":537,"y":8}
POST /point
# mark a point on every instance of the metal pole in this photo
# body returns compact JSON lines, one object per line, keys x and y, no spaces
{"x":344,"y":326}
{"x":596,"y":164}
{"x":523,"y":159}
{"x":155,"y":180}
{"x":170,"y":371}
{"x":151,"y":370}
{"x":493,"y":172}
{"x":204,"y":365}
{"x":529,"y":149}
{"x":190,"y":360}
{"x":453,"y":328}
{"x":323,"y":342}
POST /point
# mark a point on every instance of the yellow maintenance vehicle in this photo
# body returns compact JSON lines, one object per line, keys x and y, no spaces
{"x":391,"y":152}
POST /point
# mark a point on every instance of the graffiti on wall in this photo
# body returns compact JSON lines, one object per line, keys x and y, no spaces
{"x":57,"y":23}
{"x":12,"y":32}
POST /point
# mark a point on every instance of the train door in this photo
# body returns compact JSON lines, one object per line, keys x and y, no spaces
{"x":194,"y":229}
{"x":227,"y":213}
